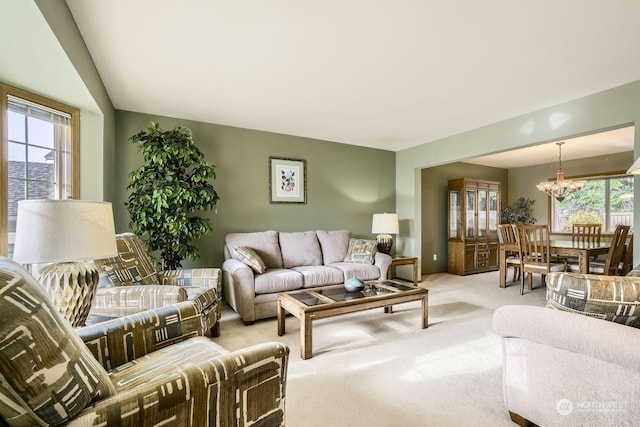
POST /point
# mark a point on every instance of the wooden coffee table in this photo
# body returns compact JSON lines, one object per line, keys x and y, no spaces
{"x":310,"y":304}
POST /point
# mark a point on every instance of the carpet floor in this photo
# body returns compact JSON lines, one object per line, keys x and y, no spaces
{"x":375,"y":369}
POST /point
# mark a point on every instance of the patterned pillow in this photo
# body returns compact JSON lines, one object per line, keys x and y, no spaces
{"x":612,"y":298}
{"x":361,"y":251}
{"x":250,"y":257}
{"x":46,"y":372}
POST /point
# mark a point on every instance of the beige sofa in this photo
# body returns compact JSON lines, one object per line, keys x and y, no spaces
{"x":576,"y":361}
{"x":293,"y":261}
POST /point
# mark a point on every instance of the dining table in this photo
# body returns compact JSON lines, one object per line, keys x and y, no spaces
{"x":561,"y":248}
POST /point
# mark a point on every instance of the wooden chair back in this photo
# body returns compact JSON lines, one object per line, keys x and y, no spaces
{"x":616,"y":251}
{"x":535,"y":246}
{"x":509,"y":251}
{"x":627,"y":258}
{"x":586,"y":234}
{"x":535,"y":253}
{"x":507,"y":234}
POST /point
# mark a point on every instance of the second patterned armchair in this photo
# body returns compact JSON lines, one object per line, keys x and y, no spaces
{"x":129,"y":283}
{"x":147,"y":369}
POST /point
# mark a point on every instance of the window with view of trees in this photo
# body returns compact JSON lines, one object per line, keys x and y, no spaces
{"x":39,"y":155}
{"x":605,"y":200}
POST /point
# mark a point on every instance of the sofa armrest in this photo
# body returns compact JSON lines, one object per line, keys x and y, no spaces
{"x":600,"y":339}
{"x":246,"y":387}
{"x":121,"y":340}
{"x":122,"y":300}
{"x":239,"y":288}
{"x":383,"y":262}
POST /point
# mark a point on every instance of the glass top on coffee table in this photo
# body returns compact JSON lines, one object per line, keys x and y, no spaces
{"x":339,"y":293}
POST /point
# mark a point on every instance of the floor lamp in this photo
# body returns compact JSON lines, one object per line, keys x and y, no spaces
{"x":62,"y":233}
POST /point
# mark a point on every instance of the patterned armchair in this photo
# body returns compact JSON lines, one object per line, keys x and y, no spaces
{"x":149,"y":368}
{"x":129,"y":283}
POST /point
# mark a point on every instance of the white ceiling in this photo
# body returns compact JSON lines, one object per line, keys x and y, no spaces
{"x":389,"y":74}
{"x":598,"y":144}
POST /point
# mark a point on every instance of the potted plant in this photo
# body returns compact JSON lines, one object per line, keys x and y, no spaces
{"x":168,"y":191}
{"x":519,"y":212}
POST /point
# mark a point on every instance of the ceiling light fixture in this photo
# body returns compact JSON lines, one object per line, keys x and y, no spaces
{"x":560,"y":187}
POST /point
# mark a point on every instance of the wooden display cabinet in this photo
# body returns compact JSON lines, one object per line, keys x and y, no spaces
{"x":474,"y":215}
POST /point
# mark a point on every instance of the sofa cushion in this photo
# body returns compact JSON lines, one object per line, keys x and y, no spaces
{"x":612,"y":298}
{"x":250,"y":258}
{"x":358,"y":270}
{"x":301,"y":248}
{"x":278,"y":280}
{"x":361,"y":251}
{"x":319,"y":275}
{"x":334,"y":244}
{"x":264,"y":243}
{"x":43,"y":362}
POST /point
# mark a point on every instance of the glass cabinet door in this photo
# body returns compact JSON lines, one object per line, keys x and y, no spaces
{"x":482,"y":213}
{"x":493,"y":214}
{"x":470,"y":206}
{"x":454,"y":215}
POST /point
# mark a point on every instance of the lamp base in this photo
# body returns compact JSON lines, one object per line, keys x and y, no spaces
{"x":71,"y":286}
{"x":385,"y":241}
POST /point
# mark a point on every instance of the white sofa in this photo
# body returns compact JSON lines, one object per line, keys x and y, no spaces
{"x":294,"y":261}
{"x":564,"y":364}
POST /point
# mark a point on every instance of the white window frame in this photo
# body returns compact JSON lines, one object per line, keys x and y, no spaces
{"x":605,"y":225}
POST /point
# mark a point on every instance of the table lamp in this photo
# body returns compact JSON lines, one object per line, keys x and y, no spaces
{"x":63,"y":233}
{"x":385,"y":224}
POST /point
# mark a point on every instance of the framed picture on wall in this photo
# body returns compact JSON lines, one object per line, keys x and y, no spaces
{"x":287,"y":180}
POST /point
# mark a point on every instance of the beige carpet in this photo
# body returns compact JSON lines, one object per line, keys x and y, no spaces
{"x":375,"y":369}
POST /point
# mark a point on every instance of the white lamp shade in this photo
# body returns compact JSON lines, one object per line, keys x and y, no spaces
{"x":385,"y":223}
{"x":49,"y":231}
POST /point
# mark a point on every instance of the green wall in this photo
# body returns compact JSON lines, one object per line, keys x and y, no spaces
{"x":44,"y":53}
{"x":346,"y":184}
{"x":434,"y":207}
{"x":97,"y":149}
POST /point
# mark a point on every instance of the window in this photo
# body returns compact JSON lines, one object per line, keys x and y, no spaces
{"x":605,"y":200}
{"x":39,"y":156}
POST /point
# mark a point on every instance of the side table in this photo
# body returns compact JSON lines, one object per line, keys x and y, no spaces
{"x":404,"y":261}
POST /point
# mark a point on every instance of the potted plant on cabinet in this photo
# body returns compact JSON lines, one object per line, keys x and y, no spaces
{"x":168,"y":191}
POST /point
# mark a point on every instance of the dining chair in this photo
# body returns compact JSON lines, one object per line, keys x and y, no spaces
{"x":586,"y":233}
{"x":508,"y":238}
{"x":612,"y":265}
{"x":627,"y":258}
{"x":535,"y":253}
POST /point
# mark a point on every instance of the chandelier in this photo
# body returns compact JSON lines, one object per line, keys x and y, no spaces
{"x":560,"y":187}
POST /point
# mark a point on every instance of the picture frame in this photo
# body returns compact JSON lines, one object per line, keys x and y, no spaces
{"x":287,"y":180}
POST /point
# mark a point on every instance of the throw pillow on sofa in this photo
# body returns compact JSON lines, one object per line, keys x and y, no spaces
{"x":300,"y":248}
{"x":361,"y":251}
{"x":612,"y":298}
{"x":334,"y":245}
{"x":251,"y":258}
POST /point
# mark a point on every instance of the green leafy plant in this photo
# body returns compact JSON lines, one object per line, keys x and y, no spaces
{"x":168,"y":191}
{"x":519,"y":212}
{"x":586,"y":217}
